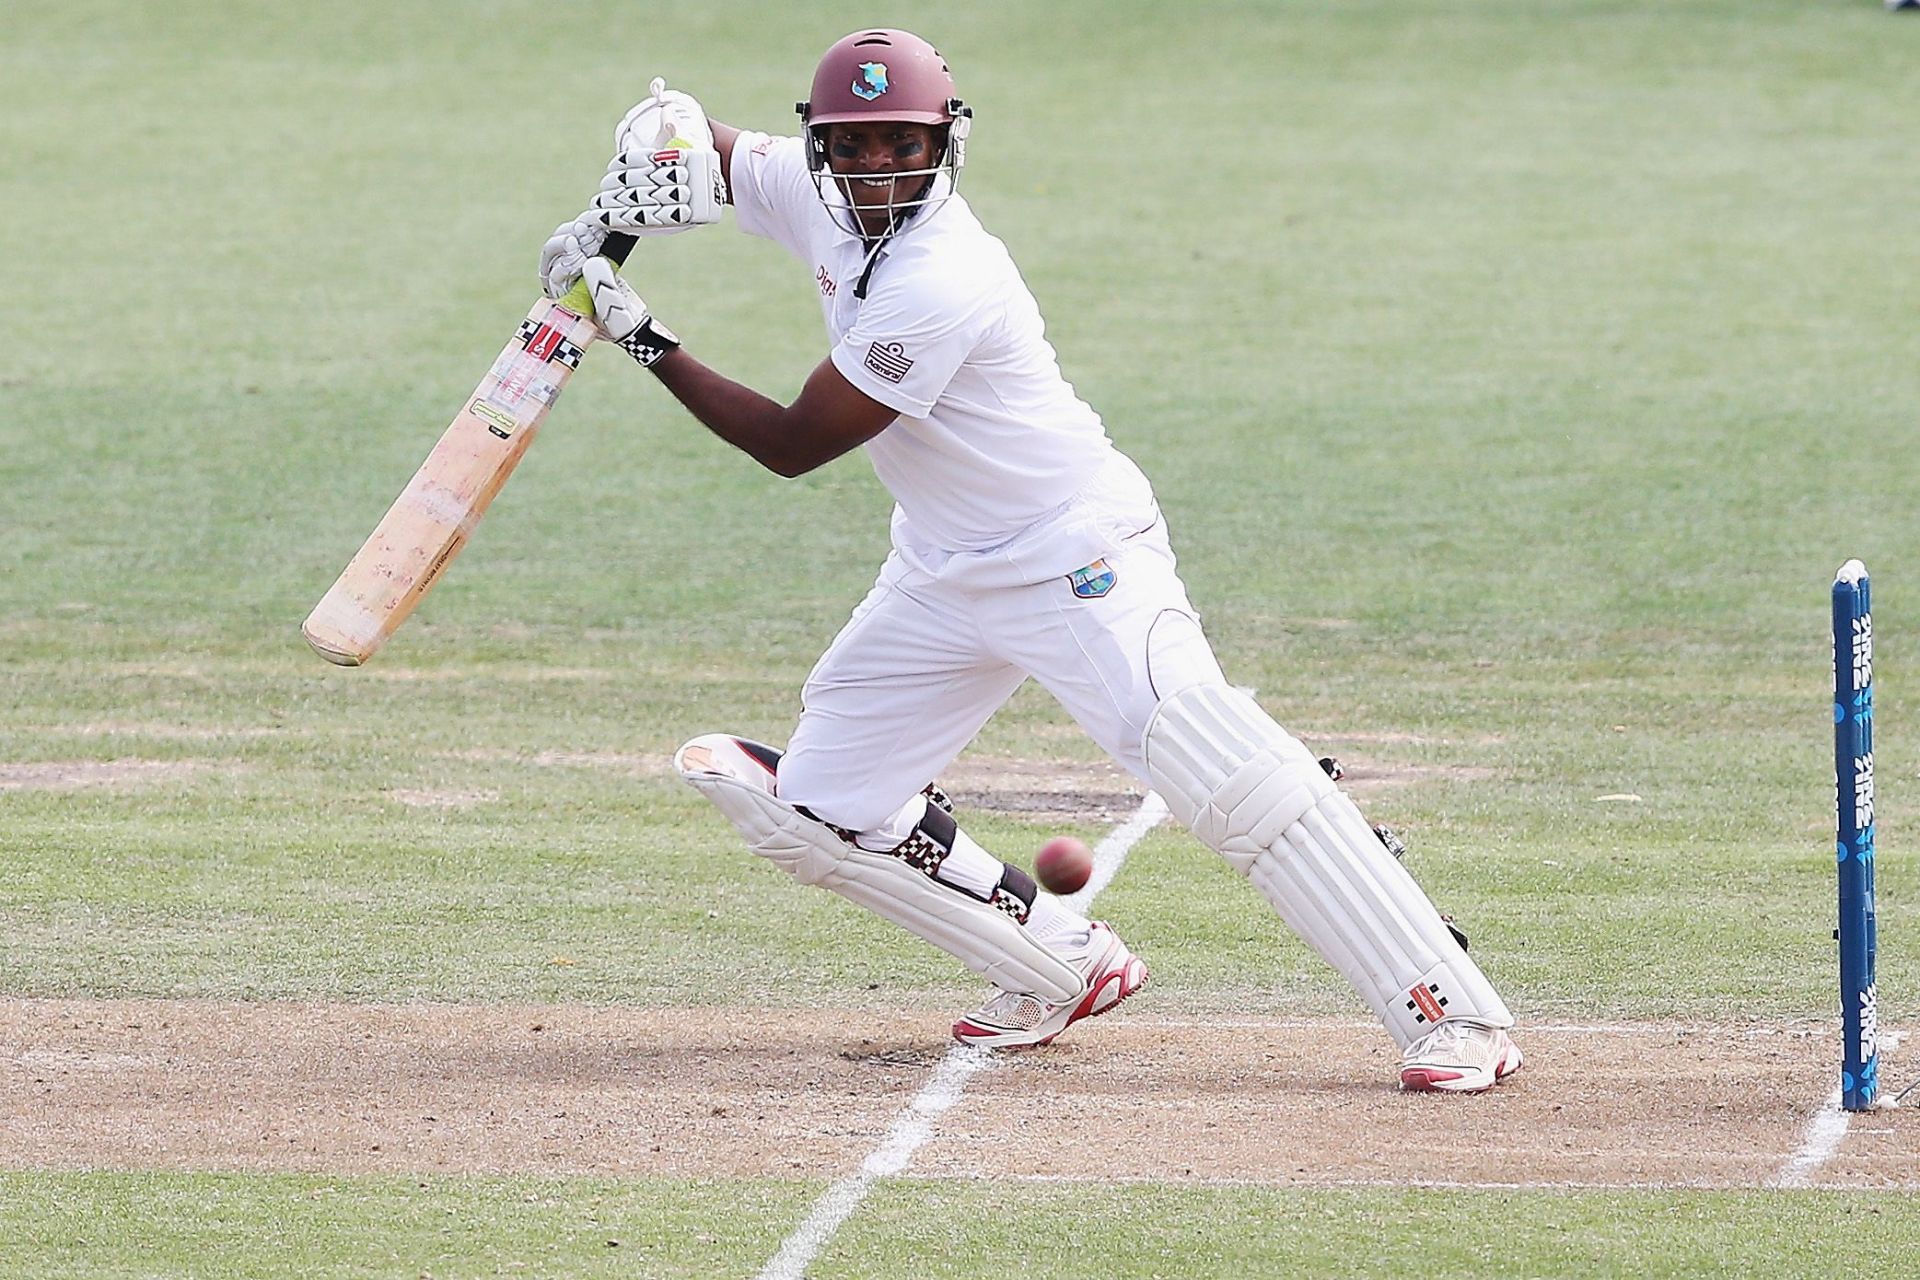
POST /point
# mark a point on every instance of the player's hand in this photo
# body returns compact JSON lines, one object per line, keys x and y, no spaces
{"x":659,"y":192}
{"x":566,"y":252}
{"x":665,"y":117}
{"x":665,"y":175}
{"x":623,"y":316}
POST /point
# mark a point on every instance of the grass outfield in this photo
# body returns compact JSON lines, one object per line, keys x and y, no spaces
{"x":1514,"y":375}
{"x":223,"y":1227}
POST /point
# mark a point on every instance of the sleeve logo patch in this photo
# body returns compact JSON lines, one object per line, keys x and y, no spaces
{"x":889,"y":360}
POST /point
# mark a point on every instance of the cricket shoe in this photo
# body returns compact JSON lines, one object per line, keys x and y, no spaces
{"x":1013,"y":1019}
{"x":1460,"y":1056}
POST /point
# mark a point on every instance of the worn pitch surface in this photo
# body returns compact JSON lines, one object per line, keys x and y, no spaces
{"x":588,"y":1089}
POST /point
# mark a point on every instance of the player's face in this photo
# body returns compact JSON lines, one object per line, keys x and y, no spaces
{"x":866,"y":156}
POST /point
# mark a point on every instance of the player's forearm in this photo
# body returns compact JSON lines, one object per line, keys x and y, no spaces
{"x":745,"y":419}
{"x":724,"y":136}
{"x":829,"y":418}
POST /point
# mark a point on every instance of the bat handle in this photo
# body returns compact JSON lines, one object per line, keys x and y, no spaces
{"x":614,"y":249}
{"x":617,"y":247}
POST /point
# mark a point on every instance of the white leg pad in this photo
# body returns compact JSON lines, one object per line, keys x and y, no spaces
{"x":1252,"y":791}
{"x":989,"y":941}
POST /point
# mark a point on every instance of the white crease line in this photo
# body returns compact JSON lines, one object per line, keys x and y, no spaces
{"x":1824,"y":1132}
{"x":909,"y":1131}
{"x":1810,"y":1032}
{"x":1113,"y":850}
{"x":1385,"y":1183}
{"x":915,"y":1125}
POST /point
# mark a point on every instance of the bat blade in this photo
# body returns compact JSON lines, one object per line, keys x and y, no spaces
{"x":434,"y":515}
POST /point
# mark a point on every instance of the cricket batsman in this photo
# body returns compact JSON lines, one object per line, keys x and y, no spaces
{"x":1024,"y":544}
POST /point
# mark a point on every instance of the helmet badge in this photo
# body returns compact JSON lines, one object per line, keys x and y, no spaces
{"x":872,"y":82}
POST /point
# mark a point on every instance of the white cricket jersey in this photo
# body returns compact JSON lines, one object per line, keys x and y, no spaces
{"x":999,"y":472}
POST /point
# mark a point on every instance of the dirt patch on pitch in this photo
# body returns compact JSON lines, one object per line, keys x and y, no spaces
{"x":1367,"y":780}
{"x":703,"y":1092}
{"x":1071,"y":793}
{"x":71,"y":775}
{"x":632,"y":764}
{"x":415,"y":798}
{"x":164,"y":732}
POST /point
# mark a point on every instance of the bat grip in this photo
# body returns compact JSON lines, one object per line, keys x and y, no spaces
{"x":617,"y":247}
{"x":614,"y":249}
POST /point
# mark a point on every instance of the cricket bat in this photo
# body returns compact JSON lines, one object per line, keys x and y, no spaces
{"x":435,"y":514}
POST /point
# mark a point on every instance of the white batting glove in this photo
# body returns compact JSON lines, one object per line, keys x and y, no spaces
{"x":665,"y":175}
{"x":664,"y":118}
{"x":622,"y":315}
{"x":566,"y":252}
{"x":660,"y":192}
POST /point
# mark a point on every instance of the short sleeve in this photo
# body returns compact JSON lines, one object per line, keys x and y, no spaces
{"x":772,"y":191}
{"x":912,"y":335}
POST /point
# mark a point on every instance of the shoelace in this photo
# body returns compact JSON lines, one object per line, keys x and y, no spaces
{"x":1451,"y":1036}
{"x":1006,"y":1002}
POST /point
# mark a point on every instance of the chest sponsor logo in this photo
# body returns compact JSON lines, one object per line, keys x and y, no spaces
{"x":889,"y":360}
{"x":872,"y":82}
{"x":1094,"y":581}
{"x":827,"y":286}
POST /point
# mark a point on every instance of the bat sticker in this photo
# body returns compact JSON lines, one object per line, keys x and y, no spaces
{"x":513,"y":376}
{"x":540,"y":340}
{"x":544,"y":342}
{"x":498,"y":420}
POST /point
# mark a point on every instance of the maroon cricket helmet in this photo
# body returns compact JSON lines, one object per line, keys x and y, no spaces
{"x":881,"y":74}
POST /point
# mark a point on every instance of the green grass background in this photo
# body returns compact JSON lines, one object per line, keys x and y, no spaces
{"x":230,"y":1227}
{"x":1515,"y":375}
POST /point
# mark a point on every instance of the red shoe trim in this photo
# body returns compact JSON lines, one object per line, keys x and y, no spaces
{"x":1112,"y":976}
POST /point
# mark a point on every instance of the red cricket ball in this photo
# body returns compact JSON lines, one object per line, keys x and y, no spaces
{"x":1063,"y":865}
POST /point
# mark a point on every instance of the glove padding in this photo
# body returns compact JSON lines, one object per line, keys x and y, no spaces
{"x":658,"y":191}
{"x":622,"y":316}
{"x":664,"y":118}
{"x":646,"y":191}
{"x":665,"y":175}
{"x":566,"y":252}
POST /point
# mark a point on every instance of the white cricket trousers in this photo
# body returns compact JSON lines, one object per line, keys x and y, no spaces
{"x":922,"y":664}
